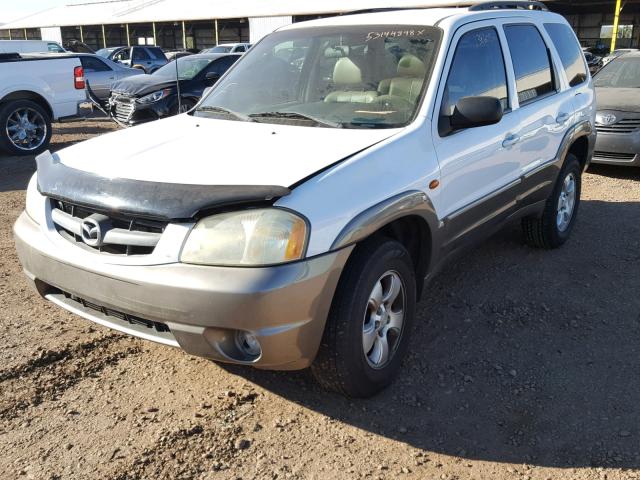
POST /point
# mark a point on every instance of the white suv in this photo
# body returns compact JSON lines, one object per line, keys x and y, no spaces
{"x":294,"y":217}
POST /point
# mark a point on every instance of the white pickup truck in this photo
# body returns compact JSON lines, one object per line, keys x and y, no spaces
{"x":36,"y":90}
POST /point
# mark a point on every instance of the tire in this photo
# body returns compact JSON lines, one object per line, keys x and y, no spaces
{"x":342,"y":365}
{"x":548,"y":231}
{"x":39,"y":126}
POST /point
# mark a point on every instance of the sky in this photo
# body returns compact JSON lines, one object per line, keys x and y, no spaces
{"x":11,"y":10}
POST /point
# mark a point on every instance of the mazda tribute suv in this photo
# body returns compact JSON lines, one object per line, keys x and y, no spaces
{"x":294,"y":216}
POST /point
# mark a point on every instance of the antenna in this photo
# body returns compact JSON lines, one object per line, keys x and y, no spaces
{"x":178,"y":87}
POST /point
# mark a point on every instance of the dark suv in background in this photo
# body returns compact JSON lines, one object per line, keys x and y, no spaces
{"x":146,"y":58}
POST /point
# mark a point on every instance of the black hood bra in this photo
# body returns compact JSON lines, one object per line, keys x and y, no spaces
{"x":157,"y":200}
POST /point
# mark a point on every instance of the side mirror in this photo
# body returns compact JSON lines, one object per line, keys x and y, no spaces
{"x":472,"y":112}
{"x":212,"y":77}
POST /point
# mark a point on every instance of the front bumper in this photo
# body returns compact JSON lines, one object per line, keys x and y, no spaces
{"x":285,"y":306}
{"x":618,"y":149}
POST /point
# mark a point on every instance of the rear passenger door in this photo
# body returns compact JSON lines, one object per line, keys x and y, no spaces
{"x":479,"y":166}
{"x":545,"y":106}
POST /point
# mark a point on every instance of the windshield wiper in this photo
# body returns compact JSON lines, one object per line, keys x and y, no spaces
{"x":225,"y":111}
{"x":295,"y":116}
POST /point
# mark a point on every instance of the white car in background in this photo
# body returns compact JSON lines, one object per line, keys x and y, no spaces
{"x":30,"y":46}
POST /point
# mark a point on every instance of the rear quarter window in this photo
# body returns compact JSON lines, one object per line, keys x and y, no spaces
{"x":567,"y":47}
{"x":157,"y":53}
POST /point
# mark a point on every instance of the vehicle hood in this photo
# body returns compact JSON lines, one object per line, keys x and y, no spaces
{"x":140,"y":85}
{"x":203,"y":151}
{"x":621,"y":99}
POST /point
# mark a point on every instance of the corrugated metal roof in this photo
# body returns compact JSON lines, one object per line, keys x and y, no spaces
{"x":142,"y":11}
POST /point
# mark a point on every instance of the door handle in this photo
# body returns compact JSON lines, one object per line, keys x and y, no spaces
{"x":510,"y":140}
{"x":562,"y":118}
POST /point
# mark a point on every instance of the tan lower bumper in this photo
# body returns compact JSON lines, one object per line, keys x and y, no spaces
{"x":285,"y":306}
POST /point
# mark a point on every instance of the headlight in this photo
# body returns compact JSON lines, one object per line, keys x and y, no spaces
{"x":155,"y":96}
{"x":35,"y":204}
{"x":259,"y":237}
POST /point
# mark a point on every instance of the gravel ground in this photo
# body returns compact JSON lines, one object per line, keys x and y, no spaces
{"x":524,"y":366}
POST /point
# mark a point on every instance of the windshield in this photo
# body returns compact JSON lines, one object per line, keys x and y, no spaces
{"x":188,"y":67}
{"x":624,"y":72}
{"x":104,"y":52}
{"x":347,"y":77}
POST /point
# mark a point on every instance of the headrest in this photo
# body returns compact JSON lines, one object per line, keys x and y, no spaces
{"x":346,"y":72}
{"x":411,"y":66}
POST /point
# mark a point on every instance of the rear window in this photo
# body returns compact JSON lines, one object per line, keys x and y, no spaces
{"x":565,"y":42}
{"x":531,"y":62}
{"x":157,"y":53}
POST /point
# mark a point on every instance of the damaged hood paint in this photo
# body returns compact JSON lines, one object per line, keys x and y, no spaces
{"x":203,"y":151}
{"x":140,"y":85}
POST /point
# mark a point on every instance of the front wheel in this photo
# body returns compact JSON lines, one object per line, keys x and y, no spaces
{"x":554,"y":227}
{"x":370,"y":321}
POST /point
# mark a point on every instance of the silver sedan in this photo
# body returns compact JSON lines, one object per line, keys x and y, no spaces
{"x":101,"y":73}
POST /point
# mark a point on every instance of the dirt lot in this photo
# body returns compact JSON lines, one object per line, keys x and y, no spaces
{"x":525,"y":365}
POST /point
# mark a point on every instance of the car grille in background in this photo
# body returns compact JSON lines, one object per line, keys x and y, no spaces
{"x":124,"y":107}
{"x":108,"y":312}
{"x":627,"y":125}
{"x":126,"y":236}
{"x":612,"y":156}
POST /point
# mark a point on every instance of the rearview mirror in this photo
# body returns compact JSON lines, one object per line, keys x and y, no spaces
{"x":472,"y":112}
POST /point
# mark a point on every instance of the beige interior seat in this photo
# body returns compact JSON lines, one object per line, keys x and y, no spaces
{"x":408,"y":83}
{"x":348,"y":77}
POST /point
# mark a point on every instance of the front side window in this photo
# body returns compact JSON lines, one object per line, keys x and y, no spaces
{"x":343,"y":77}
{"x":569,"y":50}
{"x":531,"y":62}
{"x":477,"y":70}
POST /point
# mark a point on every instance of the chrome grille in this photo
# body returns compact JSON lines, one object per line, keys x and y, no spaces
{"x":613,"y":156}
{"x":627,"y":125}
{"x":124,"y":107}
{"x":115,"y":235}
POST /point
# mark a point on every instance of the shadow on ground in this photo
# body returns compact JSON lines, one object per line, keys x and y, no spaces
{"x":519,"y":355}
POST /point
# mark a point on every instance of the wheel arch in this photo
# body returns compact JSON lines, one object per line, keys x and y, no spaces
{"x":29,"y":95}
{"x":408,"y":218}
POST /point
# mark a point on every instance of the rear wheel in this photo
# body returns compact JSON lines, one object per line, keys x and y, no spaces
{"x":370,"y":321}
{"x":25,"y":128}
{"x":554,"y":227}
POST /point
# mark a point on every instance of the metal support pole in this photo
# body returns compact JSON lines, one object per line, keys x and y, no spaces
{"x":25,"y":34}
{"x":104,"y":38}
{"x":184,"y":36}
{"x":10,"y":38}
{"x":616,"y":21}
{"x":128,"y":36}
{"x":216,"y":26}
{"x":81,"y":34}
{"x":155,"y":40}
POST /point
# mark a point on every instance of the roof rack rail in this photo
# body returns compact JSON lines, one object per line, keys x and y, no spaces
{"x":510,"y":5}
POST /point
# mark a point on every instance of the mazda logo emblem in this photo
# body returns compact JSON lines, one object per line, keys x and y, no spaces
{"x":92,"y":234}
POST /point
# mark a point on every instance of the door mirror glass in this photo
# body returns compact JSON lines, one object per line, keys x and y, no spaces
{"x":472,"y":112}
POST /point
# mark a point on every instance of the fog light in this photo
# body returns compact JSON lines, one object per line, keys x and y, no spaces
{"x":247,"y":343}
